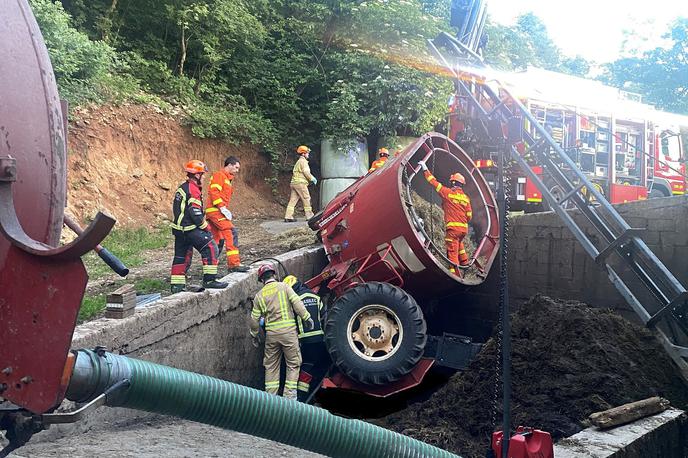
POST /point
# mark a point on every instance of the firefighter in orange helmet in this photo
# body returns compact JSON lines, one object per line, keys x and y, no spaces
{"x":219,"y":216}
{"x":190,"y":230}
{"x":383,"y":154}
{"x":301,"y":177}
{"x":457,"y":214}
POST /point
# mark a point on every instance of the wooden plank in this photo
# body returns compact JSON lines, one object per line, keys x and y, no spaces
{"x":628,"y":412}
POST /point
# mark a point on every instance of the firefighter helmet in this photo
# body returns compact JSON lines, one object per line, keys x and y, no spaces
{"x":195,"y":166}
{"x":265,"y":268}
{"x":458,"y":178}
{"x":383,"y":152}
{"x":303,"y":149}
{"x":290,"y":280}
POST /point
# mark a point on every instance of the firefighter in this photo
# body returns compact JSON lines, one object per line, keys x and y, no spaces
{"x":190,"y":230}
{"x":383,"y":154}
{"x":218,"y":214}
{"x":457,"y":215}
{"x":300,"y":179}
{"x":316,"y":360}
{"x":278,"y":304}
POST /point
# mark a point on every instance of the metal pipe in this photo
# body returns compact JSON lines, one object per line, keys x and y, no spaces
{"x":110,"y":259}
{"x":161,"y":389}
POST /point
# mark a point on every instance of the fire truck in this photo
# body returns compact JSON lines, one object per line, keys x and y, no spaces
{"x":628,"y":149}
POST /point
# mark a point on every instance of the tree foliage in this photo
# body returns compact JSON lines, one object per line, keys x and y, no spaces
{"x":660,"y":74}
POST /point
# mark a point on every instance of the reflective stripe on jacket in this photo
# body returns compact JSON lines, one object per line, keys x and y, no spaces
{"x":302,"y":172}
{"x":455,"y":203}
{"x":314,"y":305}
{"x":187,"y":208}
{"x":220,"y":191}
{"x":278,"y":304}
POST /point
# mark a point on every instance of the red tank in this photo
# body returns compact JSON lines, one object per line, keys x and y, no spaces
{"x":383,"y":267}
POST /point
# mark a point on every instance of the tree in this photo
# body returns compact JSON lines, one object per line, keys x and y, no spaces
{"x":660,"y":74}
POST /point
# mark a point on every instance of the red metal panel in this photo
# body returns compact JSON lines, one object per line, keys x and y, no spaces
{"x":413,"y":378}
{"x":533,"y":194}
{"x":621,"y":193}
{"x":38,"y":309}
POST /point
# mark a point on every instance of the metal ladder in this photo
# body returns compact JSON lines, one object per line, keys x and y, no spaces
{"x":651,"y":290}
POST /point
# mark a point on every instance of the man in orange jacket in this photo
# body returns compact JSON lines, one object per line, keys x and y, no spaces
{"x":457,"y":214}
{"x":218,"y":214}
{"x":383,"y":154}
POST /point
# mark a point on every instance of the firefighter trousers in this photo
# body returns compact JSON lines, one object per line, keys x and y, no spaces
{"x":299,"y":191}
{"x":224,"y":233}
{"x":277,"y":343}
{"x":316,"y":362}
{"x":184,"y":244}
{"x":456,"y":251}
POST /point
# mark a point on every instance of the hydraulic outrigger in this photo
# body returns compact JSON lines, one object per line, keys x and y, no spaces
{"x":497,"y":117}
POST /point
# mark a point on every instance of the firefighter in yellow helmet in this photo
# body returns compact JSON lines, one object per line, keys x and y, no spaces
{"x":315,"y":358}
{"x":383,"y":155}
{"x":279,"y":305}
{"x":457,"y":214}
{"x":301,"y":177}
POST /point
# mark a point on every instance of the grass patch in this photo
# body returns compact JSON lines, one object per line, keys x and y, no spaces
{"x":129,"y":246}
{"x":91,"y":306}
{"x":151,"y":285}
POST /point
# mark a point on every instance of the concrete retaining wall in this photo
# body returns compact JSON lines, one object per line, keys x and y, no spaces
{"x":546,"y":258}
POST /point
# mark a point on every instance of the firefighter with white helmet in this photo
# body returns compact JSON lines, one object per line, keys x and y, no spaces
{"x":301,"y":178}
{"x":279,"y":305}
{"x":457,"y":214}
{"x":315,"y":358}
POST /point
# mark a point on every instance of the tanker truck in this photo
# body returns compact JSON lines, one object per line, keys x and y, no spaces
{"x":388,"y":271}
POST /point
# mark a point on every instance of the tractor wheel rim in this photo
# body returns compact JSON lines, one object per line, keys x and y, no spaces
{"x":375,"y":332}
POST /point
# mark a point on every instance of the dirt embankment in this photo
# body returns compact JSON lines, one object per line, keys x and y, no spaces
{"x":569,"y":360}
{"x":128,"y":160}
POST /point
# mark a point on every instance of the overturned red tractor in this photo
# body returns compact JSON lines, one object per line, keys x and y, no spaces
{"x":388,"y":273}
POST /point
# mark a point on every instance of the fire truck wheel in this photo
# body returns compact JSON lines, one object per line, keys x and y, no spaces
{"x":656,"y":193}
{"x":375,"y":333}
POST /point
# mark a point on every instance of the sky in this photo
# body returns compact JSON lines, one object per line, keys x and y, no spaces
{"x":594,"y":29}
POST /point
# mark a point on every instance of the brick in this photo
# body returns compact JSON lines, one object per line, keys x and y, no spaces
{"x":661,"y":225}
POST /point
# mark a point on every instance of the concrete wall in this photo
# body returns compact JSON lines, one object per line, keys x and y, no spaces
{"x":546,"y":258}
{"x":200,"y":332}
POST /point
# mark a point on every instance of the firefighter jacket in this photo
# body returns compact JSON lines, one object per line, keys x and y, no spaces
{"x":314,"y":306}
{"x":220,"y":191}
{"x":302,"y":172}
{"x":278,"y":304}
{"x":455,"y":203}
{"x":187,"y":208}
{"x":377,"y":164}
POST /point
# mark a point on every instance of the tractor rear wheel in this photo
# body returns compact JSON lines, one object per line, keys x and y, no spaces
{"x":375,"y":333}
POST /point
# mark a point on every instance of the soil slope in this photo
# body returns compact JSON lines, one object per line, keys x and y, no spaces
{"x":569,"y":360}
{"x":128,"y":160}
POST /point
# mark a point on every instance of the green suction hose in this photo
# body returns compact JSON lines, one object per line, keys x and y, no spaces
{"x":165,"y":390}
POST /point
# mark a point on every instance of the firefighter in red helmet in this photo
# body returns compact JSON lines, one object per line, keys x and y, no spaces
{"x":279,"y":305}
{"x":190,"y":230}
{"x":457,"y":214}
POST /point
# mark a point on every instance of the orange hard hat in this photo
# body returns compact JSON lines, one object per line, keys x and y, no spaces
{"x":303,"y":149}
{"x":195,"y":166}
{"x":383,"y":152}
{"x":457,"y":177}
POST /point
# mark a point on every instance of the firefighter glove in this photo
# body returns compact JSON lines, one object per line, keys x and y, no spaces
{"x":226,"y":213}
{"x":308,"y":324}
{"x":255,"y":341}
{"x":314,"y":181}
{"x":423,"y":165}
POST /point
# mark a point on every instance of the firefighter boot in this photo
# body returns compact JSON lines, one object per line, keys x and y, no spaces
{"x":214,"y":284}
{"x":239,"y":268}
{"x":177,"y":288}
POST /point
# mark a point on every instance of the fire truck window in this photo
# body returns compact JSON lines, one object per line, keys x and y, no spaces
{"x":671,"y":146}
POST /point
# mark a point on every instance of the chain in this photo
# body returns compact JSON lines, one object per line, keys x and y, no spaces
{"x":505,"y":182}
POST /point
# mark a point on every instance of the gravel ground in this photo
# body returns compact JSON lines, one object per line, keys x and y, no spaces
{"x":158,"y":437}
